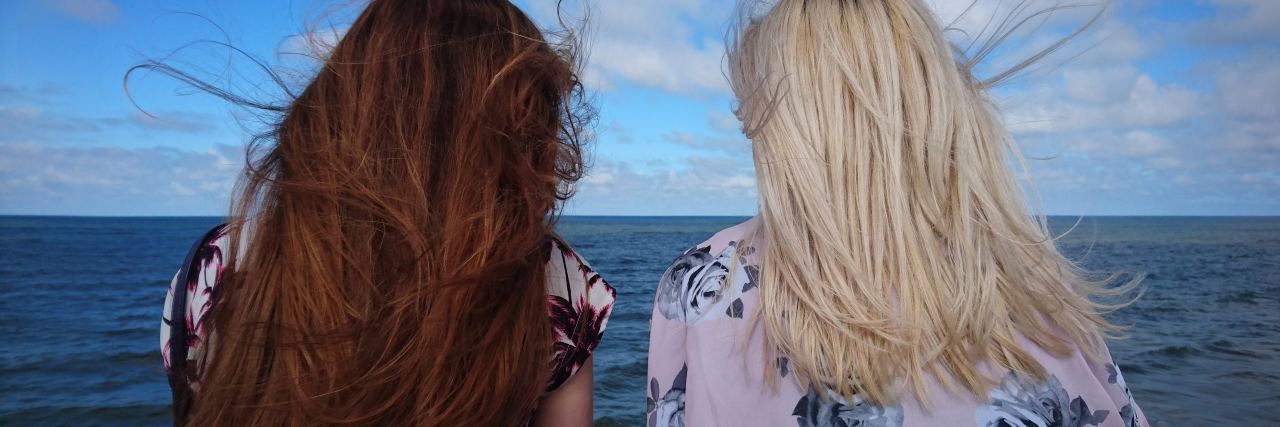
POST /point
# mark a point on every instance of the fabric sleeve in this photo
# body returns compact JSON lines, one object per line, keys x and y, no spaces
{"x":165,"y":321}
{"x":668,"y":364}
{"x":202,"y":282}
{"x":580,"y":302}
{"x":1130,"y":414}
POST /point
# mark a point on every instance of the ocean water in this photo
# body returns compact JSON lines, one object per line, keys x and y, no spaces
{"x":80,"y":305}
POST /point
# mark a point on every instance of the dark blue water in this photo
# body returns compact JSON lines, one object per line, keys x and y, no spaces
{"x":80,"y":304}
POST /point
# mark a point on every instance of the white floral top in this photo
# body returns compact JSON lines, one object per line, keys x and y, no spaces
{"x":697,"y":369}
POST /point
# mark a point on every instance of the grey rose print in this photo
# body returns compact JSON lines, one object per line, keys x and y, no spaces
{"x":833,"y":411}
{"x":1128,"y":412}
{"x":667,"y":410}
{"x":1025,"y":402}
{"x":694,"y":288}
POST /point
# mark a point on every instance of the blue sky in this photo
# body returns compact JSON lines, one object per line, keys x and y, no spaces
{"x":1165,"y":107}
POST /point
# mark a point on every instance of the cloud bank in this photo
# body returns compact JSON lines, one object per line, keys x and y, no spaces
{"x":1156,"y":110}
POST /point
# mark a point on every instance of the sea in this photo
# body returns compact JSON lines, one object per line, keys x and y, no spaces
{"x":80,"y":302}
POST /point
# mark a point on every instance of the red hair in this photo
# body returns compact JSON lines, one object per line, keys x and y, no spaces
{"x":395,"y":234}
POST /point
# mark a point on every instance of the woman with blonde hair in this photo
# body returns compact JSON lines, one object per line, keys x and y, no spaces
{"x":894,"y":274}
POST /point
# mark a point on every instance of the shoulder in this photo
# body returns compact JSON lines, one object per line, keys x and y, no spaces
{"x":209,"y":263}
{"x":725,"y":243}
{"x":707,"y":281}
{"x":579,"y":302}
{"x":212,"y":260}
{"x":209,"y":259}
{"x":570,"y":277}
{"x":723,"y":246}
{"x":731,"y":236}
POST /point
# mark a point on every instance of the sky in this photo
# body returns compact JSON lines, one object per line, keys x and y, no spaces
{"x":1168,"y":107}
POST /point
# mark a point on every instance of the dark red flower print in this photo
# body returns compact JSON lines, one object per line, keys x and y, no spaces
{"x":578,"y":327}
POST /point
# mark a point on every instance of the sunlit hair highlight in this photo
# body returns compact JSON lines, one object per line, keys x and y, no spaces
{"x":897,"y":245}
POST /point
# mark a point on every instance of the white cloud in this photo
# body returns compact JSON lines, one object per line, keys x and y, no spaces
{"x":1146,"y":103}
{"x":651,"y":43}
{"x":1116,"y":41}
{"x":19,"y":120}
{"x":29,"y":94}
{"x":315,"y":44}
{"x":680,"y":68}
{"x":654,"y":43}
{"x":37,"y":179}
{"x":734,"y":145}
{"x":89,"y":11}
{"x":1117,"y":134}
{"x":723,"y":121}
{"x":967,"y":20}
{"x":1252,"y":178}
{"x":1140,"y":151}
{"x":1242,"y":22}
{"x":27,"y":123}
{"x":1251,"y":88}
{"x":699,"y":185}
{"x":1243,"y":136}
{"x":617,"y":133}
{"x":657,"y":43}
{"x":174,"y":121}
{"x":1138,"y":143}
{"x":1099,"y":85}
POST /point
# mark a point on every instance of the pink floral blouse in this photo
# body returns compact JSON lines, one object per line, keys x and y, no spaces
{"x":698,"y":375}
{"x":579,"y":302}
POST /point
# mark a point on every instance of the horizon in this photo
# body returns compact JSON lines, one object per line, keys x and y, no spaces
{"x":1160,"y":109}
{"x":3,"y":215}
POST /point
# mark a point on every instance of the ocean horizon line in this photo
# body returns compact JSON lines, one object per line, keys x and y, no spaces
{"x":99,"y":216}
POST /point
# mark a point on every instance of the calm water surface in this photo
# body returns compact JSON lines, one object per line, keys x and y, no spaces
{"x":80,"y":305}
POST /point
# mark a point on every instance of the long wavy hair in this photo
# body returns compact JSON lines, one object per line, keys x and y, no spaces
{"x":898,"y":245}
{"x":391,"y":230}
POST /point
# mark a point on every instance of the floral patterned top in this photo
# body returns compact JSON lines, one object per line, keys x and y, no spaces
{"x":579,"y":302}
{"x":698,"y":374}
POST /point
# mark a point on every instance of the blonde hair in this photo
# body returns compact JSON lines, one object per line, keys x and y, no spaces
{"x":897,"y":244}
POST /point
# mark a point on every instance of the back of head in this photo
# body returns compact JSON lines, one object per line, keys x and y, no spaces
{"x":899,"y":245}
{"x":390,"y":270}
